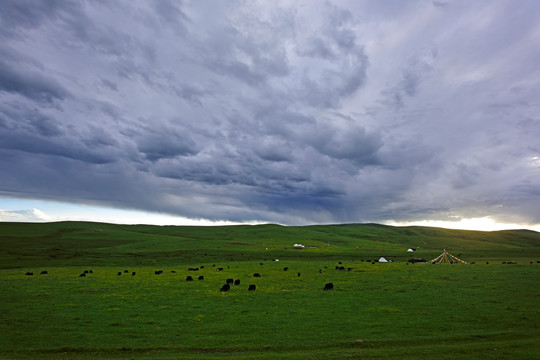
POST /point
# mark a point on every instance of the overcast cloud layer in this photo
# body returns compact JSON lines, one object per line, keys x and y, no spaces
{"x":281,"y":111}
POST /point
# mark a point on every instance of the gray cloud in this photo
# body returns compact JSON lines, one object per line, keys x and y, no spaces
{"x":368,"y":111}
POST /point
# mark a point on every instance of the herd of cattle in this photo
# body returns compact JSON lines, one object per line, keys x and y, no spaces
{"x":228,"y":282}
{"x":224,"y":288}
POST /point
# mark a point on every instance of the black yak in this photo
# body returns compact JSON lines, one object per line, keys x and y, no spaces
{"x":328,"y":286}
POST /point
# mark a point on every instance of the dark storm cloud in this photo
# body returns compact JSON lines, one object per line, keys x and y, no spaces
{"x":273,"y":111}
{"x":22,"y":75}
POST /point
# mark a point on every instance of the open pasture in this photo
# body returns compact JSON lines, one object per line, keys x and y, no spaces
{"x":380,"y":311}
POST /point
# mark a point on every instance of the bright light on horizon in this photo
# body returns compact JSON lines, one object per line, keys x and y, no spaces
{"x":481,"y":224}
{"x":18,"y":210}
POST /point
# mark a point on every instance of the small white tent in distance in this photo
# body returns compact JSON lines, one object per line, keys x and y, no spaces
{"x":383,"y":260}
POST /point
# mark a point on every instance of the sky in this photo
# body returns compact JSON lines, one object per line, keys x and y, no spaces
{"x":290,"y":112}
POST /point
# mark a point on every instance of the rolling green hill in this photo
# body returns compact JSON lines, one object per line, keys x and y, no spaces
{"x":80,"y":243}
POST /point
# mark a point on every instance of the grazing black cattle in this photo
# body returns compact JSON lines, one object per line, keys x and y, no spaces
{"x":237,"y":282}
{"x":261,"y":263}
{"x":29,"y":273}
{"x":328,"y":286}
{"x":339,"y":262}
{"x":82,"y":275}
{"x":174,"y":272}
{"x":158,"y":272}
{"x":85,"y":272}
{"x":201,"y":277}
{"x":229,"y":281}
{"x":193,"y":269}
{"x":487,"y":262}
{"x":189,"y":278}
{"x":133,"y":273}
{"x":202,"y":267}
{"x":44,"y":272}
{"x":219,"y":269}
{"x":225,"y":288}
{"x":91,"y":271}
{"x":252,"y":287}
{"x":341,"y":268}
{"x":298,"y":274}
{"x":126,"y":271}
{"x":256,"y":275}
{"x":349,"y":269}
{"x":285,"y":268}
{"x":119,"y":273}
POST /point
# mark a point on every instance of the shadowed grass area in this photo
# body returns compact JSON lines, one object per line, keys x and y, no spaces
{"x":380,"y":311}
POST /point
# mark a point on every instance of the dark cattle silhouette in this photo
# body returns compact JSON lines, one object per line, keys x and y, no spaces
{"x":339,"y":262}
{"x":157,"y":272}
{"x":252,"y":287}
{"x":174,"y":272}
{"x":285,"y":268}
{"x":229,"y":281}
{"x":126,"y":271}
{"x":201,"y":277}
{"x":133,"y":273}
{"x":328,"y":286}
{"x":82,"y":275}
{"x":193,"y":269}
{"x":45,"y":272}
{"x":119,"y":273}
{"x":85,"y":272}
{"x":225,"y":288}
{"x":189,"y":278}
{"x":91,"y":271}
{"x":349,"y":269}
{"x":256,"y":275}
{"x":219,"y":269}
{"x":298,"y":274}
{"x":237,"y":282}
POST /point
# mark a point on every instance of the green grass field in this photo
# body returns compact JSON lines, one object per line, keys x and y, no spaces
{"x":375,"y":311}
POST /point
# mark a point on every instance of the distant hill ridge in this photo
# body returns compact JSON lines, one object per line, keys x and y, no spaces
{"x":91,"y":242}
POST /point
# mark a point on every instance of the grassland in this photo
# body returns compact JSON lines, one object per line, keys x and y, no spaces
{"x":376,"y":311}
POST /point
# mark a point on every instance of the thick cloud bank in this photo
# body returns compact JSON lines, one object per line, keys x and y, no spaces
{"x":280,"y":111}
